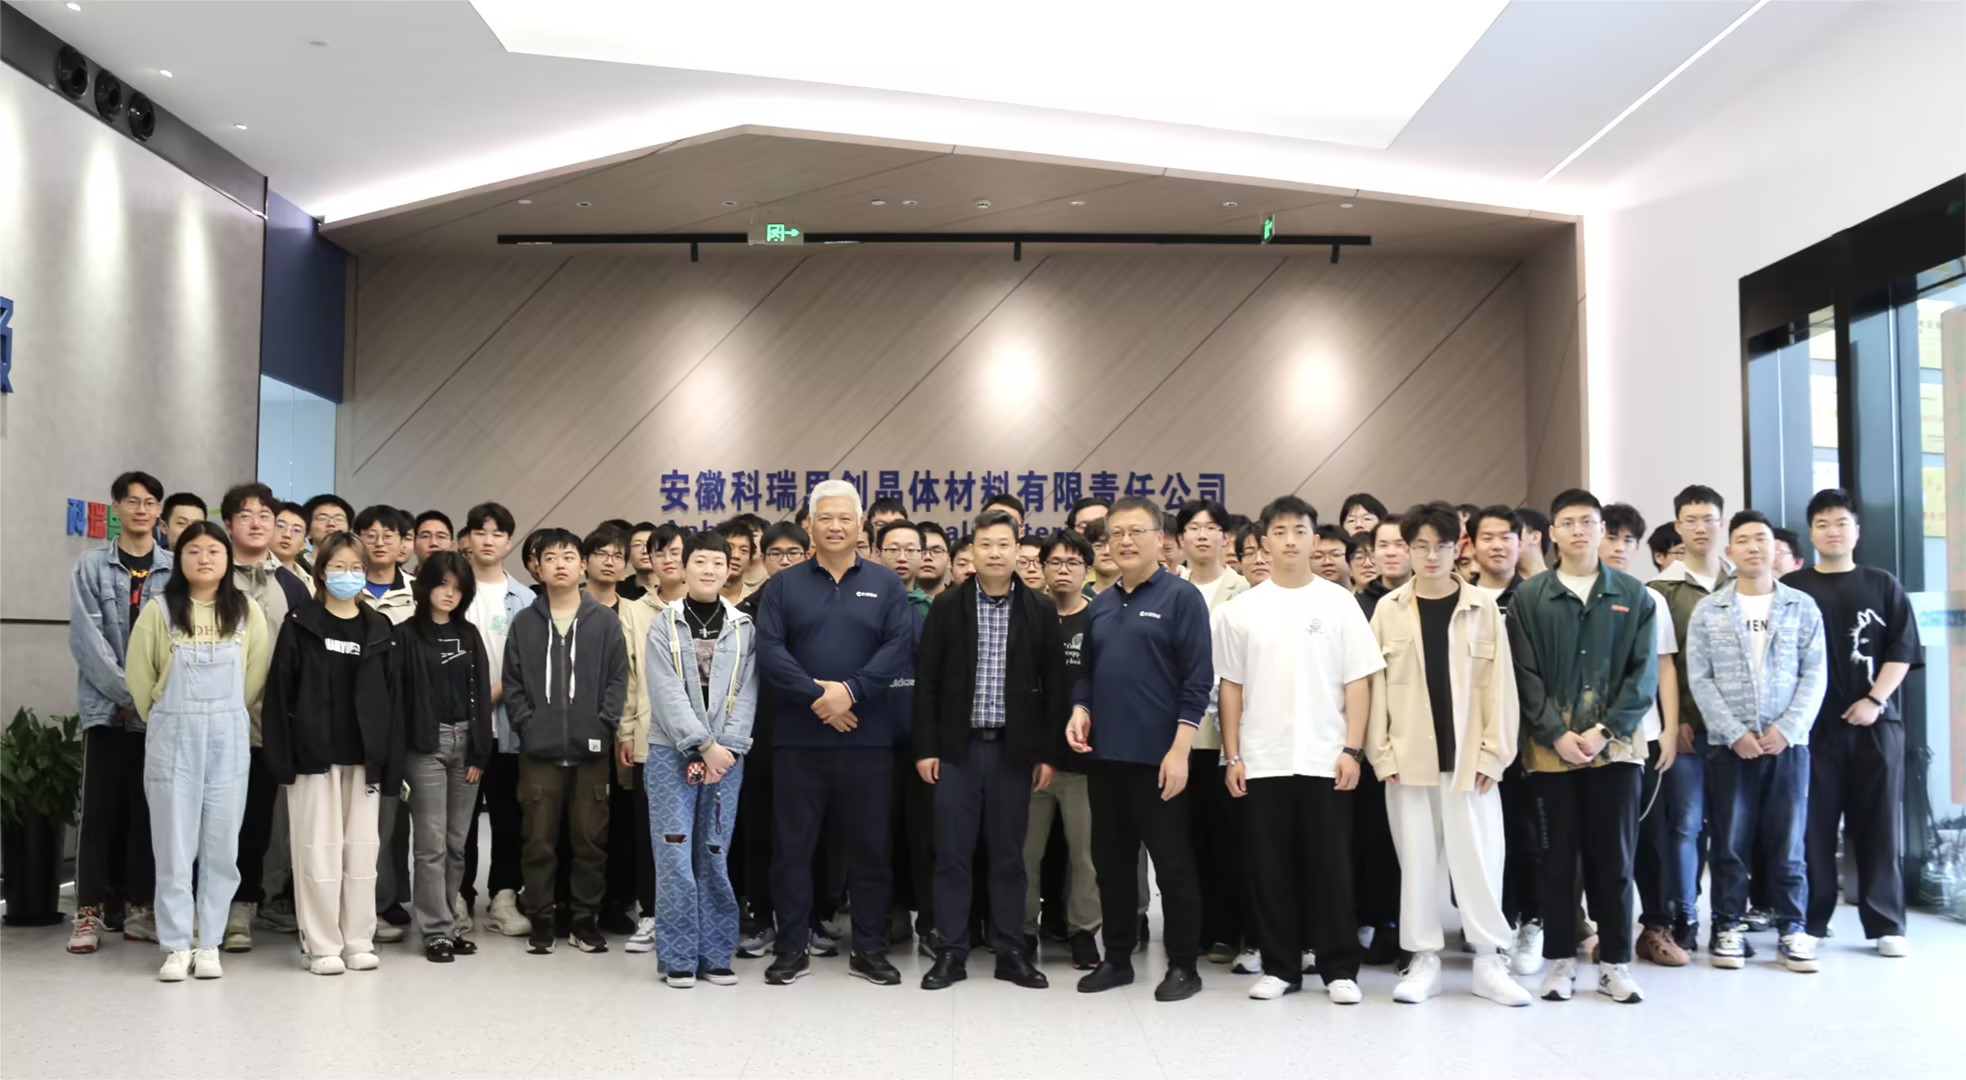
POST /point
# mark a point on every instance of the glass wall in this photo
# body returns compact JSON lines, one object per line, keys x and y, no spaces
{"x":296,"y":441}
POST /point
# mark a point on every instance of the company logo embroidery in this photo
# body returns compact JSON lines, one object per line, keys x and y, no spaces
{"x":869,"y":595}
{"x":1150,"y":614}
{"x":1622,"y":609}
{"x":345,"y":648}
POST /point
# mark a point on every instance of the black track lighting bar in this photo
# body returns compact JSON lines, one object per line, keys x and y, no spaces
{"x":1014,"y":238}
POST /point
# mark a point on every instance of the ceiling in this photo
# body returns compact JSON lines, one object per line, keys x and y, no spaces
{"x":403,"y":102}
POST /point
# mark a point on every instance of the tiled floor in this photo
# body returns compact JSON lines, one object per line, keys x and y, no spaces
{"x":504,"y":1013}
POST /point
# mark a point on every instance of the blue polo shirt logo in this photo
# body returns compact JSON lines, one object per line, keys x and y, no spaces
{"x":1150,"y":614}
{"x":869,"y":595}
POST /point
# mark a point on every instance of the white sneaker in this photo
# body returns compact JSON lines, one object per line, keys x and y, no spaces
{"x":756,"y":945}
{"x":643,"y":939}
{"x":1798,"y":953}
{"x":326,"y":965}
{"x":140,"y":924}
{"x":1615,"y":982}
{"x":505,"y":917}
{"x":461,"y":911}
{"x":1310,"y":962}
{"x":86,"y":936}
{"x":239,"y":928}
{"x":1270,"y":988}
{"x":1894,"y":946}
{"x":1248,"y":962}
{"x":1422,"y":979}
{"x":1561,"y":983}
{"x":1343,"y":992}
{"x":363,"y":961}
{"x":1527,"y":955}
{"x":205,"y":965}
{"x":1491,"y":981}
{"x":177,"y":965}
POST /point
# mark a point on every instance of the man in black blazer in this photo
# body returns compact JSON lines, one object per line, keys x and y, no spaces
{"x":991,"y":696}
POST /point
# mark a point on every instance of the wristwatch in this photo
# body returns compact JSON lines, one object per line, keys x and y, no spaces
{"x":1356,"y":754}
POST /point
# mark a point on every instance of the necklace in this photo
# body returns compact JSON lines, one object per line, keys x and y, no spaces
{"x":701,"y":626}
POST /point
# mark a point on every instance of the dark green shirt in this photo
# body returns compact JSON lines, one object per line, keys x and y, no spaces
{"x":1579,"y":664}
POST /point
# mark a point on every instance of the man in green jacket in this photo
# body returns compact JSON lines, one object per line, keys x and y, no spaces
{"x":1586,"y":672}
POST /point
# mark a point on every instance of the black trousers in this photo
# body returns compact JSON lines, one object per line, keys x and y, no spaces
{"x":499,"y":795}
{"x":986,"y":798}
{"x":1593,"y":814}
{"x":855,"y":787}
{"x":255,"y":829}
{"x":1857,"y":779}
{"x":916,"y":825}
{"x":750,"y":845}
{"x":112,"y":845}
{"x":1527,"y":840}
{"x":1223,"y":876}
{"x":1127,"y":811}
{"x":1375,"y":863}
{"x":631,"y":859}
{"x":1054,"y":877}
{"x":1297,"y":834}
{"x":1653,"y":907}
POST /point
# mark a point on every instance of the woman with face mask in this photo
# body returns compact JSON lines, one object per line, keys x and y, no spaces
{"x":197,"y":655}
{"x":333,"y":734}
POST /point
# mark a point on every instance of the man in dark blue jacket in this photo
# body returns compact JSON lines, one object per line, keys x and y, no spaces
{"x":1141,"y":698}
{"x":834,"y":633}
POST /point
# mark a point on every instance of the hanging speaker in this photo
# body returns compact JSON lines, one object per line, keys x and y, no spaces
{"x":143,"y":117}
{"x":71,"y":73}
{"x":109,"y":96}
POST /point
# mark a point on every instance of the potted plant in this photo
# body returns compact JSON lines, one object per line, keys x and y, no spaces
{"x":40,"y":786}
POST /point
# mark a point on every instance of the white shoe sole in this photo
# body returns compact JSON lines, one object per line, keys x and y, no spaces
{"x":1728,"y":963}
{"x":1802,"y":967}
{"x":634,"y":946}
{"x":203,"y":973}
{"x":719,"y":980}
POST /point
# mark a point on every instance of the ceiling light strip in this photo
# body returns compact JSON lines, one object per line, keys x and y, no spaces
{"x":1647,"y":96}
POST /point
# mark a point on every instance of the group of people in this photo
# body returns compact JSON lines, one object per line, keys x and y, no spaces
{"x":1318,"y":736}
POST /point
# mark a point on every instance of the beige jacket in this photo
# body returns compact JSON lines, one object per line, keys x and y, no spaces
{"x":636,"y":618}
{"x":1399,"y":735}
{"x":1229,"y":586}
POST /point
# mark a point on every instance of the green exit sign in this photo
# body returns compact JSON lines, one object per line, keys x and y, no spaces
{"x":1269,"y":228}
{"x":776,"y":233}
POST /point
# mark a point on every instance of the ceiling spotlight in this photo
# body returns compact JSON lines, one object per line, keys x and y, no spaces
{"x":1230,"y":205}
{"x":241,"y":127}
{"x":109,"y":96}
{"x":911,"y":202}
{"x":72,"y":72}
{"x":583,"y":204}
{"x":73,"y":7}
{"x":728,"y":203}
{"x":142,"y":118}
{"x":878,"y":202}
{"x":1344,"y":206}
{"x":165,"y":73}
{"x":319,"y":44}
{"x":982,"y":204}
{"x":1078,"y":202}
{"x":525,"y":202}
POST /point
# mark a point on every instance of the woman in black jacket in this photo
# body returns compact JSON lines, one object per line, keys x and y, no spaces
{"x":333,"y":735}
{"x":448,"y":718}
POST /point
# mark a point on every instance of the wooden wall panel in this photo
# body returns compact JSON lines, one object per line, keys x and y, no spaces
{"x":1554,"y":441}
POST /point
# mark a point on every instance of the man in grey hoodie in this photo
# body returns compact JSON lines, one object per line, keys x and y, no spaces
{"x":566,"y":678}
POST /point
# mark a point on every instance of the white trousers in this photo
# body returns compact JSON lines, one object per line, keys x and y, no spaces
{"x":331,"y":822}
{"x":1432,"y":825}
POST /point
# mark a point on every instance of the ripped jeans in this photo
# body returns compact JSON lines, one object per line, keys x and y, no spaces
{"x":690,"y":828}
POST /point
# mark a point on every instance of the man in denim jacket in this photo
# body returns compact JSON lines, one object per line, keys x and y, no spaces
{"x":1755,"y":659}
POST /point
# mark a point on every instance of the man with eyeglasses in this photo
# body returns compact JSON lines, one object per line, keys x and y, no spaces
{"x":1328,"y":556}
{"x":388,"y":591}
{"x":899,"y":545}
{"x":1139,"y":704}
{"x":630,"y":866}
{"x":932,"y":574}
{"x":1105,"y":572}
{"x":1030,"y":563}
{"x":785,"y":545}
{"x":433,"y":533}
{"x":1066,"y":556}
{"x":1586,"y":672}
{"x":290,"y":543}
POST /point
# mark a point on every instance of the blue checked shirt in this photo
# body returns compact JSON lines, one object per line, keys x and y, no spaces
{"x":992,"y":642}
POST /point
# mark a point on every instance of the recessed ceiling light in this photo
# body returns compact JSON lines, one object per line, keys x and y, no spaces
{"x":166,"y":73}
{"x":525,"y":202}
{"x":1078,"y":202}
{"x":73,"y":7}
{"x":982,"y":204}
{"x":319,"y":44}
{"x":730,"y":202}
{"x":1344,"y":206}
{"x":878,"y":202}
{"x":1230,"y":205}
{"x":583,"y":204}
{"x":911,"y":202}
{"x":241,"y":127}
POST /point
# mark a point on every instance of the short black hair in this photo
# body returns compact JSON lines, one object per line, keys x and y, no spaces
{"x":1359,"y":541}
{"x":234,"y":499}
{"x":1467,"y":510}
{"x":623,"y":524}
{"x":1072,"y":515}
{"x":499,"y":516}
{"x":707,"y":540}
{"x":1575,"y":497}
{"x":665,"y":534}
{"x":1333,"y":534}
{"x":1128,"y":504}
{"x":1663,"y":539}
{"x":1095,"y":531}
{"x":380,"y":514}
{"x":1535,"y":521}
{"x":804,"y":513}
{"x":529,"y":548}
{"x":904,"y":525}
{"x":405,"y":521}
{"x":1031,"y":540}
{"x":778,"y":533}
{"x":293,"y":508}
{"x":963,"y":543}
{"x":120,"y":486}
{"x":930,"y":528}
{"x":185,"y":498}
{"x":1286,"y":506}
{"x":640,"y":527}
{"x":1008,"y":501}
{"x":1444,"y":520}
{"x":1789,"y":537}
{"x":1248,"y":534}
{"x":1194,"y":508}
{"x":1362,"y":499}
{"x":887,"y":505}
{"x":754,"y":522}
{"x":1623,"y":517}
{"x":433,"y":515}
{"x":1698,"y":493}
{"x":308,"y":508}
{"x":1832,"y":499}
{"x":601,"y":537}
{"x":1066,"y":538}
{"x":734,"y":529}
{"x":1499,"y":512}
{"x":550,"y":537}
{"x":991,"y":518}
{"x":1749,"y":517}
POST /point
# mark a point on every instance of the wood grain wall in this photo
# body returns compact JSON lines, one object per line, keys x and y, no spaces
{"x":565,"y":386}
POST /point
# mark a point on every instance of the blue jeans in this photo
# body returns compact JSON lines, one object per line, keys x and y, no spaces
{"x":690,"y":827}
{"x":1765,"y":799}
{"x":1673,"y":831}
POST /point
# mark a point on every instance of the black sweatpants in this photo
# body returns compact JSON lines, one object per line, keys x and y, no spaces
{"x":854,"y":787}
{"x":1528,"y":843}
{"x":915,"y":830}
{"x":750,"y":845}
{"x":987,"y":797}
{"x":1127,"y":811}
{"x":112,"y":844}
{"x":1375,"y":862}
{"x":1592,"y":813}
{"x":1857,"y":779}
{"x":1223,"y":876}
{"x":1297,"y":836}
{"x":631,"y":860}
{"x":255,"y":829}
{"x":499,"y":795}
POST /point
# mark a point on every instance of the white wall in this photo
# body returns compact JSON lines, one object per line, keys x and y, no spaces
{"x":1863,"y":119}
{"x":136,"y":345}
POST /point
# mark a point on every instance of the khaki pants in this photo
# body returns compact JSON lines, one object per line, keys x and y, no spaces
{"x":1066,"y":796}
{"x":549,"y":793}
{"x":331,"y":822}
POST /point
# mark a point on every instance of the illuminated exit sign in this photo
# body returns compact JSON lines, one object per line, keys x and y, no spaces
{"x":1269,"y":228}
{"x":776,"y":232}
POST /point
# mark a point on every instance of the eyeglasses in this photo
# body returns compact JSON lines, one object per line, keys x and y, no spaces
{"x":607,"y":555}
{"x":897,"y":552}
{"x":1130,"y":534}
{"x":1202,"y":527}
{"x":784,"y":555}
{"x":375,"y":537}
{"x":144,"y":503}
{"x":1424,"y":550}
{"x":1065,"y":565}
{"x":1578,"y":524}
{"x":1025,"y":562}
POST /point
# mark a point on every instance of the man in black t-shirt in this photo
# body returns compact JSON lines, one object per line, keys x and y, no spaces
{"x":1857,"y":747}
{"x":1065,"y":556}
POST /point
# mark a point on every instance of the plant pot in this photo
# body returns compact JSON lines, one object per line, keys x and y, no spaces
{"x":32,"y":864}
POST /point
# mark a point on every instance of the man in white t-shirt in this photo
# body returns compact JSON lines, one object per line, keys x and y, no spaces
{"x":485,"y":539}
{"x":1294,"y":656}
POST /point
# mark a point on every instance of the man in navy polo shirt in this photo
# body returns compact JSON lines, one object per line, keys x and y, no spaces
{"x":1140,"y":700}
{"x":834,"y":633}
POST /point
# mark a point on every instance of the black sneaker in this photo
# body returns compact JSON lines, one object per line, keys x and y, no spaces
{"x":717,"y":976}
{"x":464,"y":946}
{"x":1180,"y":983}
{"x":949,"y":968}
{"x":1759,"y":921}
{"x":875,"y":969}
{"x":112,"y":916}
{"x":1384,"y":949}
{"x":439,"y":951}
{"x":586,"y":936}
{"x":1085,"y":950}
{"x":821,"y":943}
{"x":787,"y":968}
{"x":616,"y":921}
{"x":394,"y":915}
{"x":1687,"y":936}
{"x":540,"y":941}
{"x":1107,"y":976}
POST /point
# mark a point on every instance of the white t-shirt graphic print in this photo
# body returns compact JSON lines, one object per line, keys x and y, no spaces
{"x":1292,"y":651}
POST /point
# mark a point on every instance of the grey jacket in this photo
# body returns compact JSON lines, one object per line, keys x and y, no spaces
{"x":1794,"y":673}
{"x":99,"y":629}
{"x":677,"y":714}
{"x":564,"y":694}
